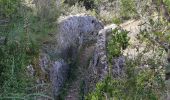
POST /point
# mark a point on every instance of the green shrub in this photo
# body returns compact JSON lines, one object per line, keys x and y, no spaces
{"x":46,"y":10}
{"x":24,"y":36}
{"x":9,"y":8}
{"x":145,"y":84}
{"x":14,"y":57}
{"x":117,"y":43}
{"x":138,"y":82}
{"x":117,"y":20}
{"x":167,"y":2}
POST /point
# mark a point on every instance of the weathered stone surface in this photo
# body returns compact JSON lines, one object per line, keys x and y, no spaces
{"x":98,"y":67}
{"x":44,"y":63}
{"x":76,"y":30}
{"x":99,"y":61}
{"x":73,"y":33}
{"x":118,"y":66}
{"x":58,"y":73}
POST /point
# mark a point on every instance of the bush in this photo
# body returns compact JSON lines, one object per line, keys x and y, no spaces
{"x":143,"y":78}
{"x":46,"y":10}
{"x":9,"y":8}
{"x":24,"y":35}
{"x":145,"y":84}
{"x":14,"y":57}
{"x":117,"y":43}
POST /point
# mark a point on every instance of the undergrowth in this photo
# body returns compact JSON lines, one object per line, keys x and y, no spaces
{"x":136,"y":83}
{"x":24,"y":34}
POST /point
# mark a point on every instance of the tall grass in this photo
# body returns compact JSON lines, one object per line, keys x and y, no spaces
{"x":24,"y":32}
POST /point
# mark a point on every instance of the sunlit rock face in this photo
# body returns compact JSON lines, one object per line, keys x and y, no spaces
{"x":77,"y":30}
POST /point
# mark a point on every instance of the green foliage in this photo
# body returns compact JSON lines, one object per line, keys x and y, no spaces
{"x":145,"y":84}
{"x":167,"y":2}
{"x":89,"y":4}
{"x":9,"y":8}
{"x":24,"y":35}
{"x":117,"y":20}
{"x":15,"y":56}
{"x":138,"y":82}
{"x":105,"y":88}
{"x":117,"y":43}
{"x":47,"y":10}
{"x":127,"y":9}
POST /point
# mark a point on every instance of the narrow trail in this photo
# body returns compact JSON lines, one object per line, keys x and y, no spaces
{"x":75,"y":87}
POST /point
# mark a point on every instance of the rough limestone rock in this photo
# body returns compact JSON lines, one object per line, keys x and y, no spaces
{"x":77,"y":30}
{"x":98,"y":67}
{"x":73,"y":33}
{"x":58,"y":75}
{"x":118,"y":66}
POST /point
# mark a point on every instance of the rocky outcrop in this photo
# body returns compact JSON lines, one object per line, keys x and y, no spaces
{"x":73,"y":33}
{"x":75,"y":29}
{"x":98,"y":67}
{"x":100,"y":56}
